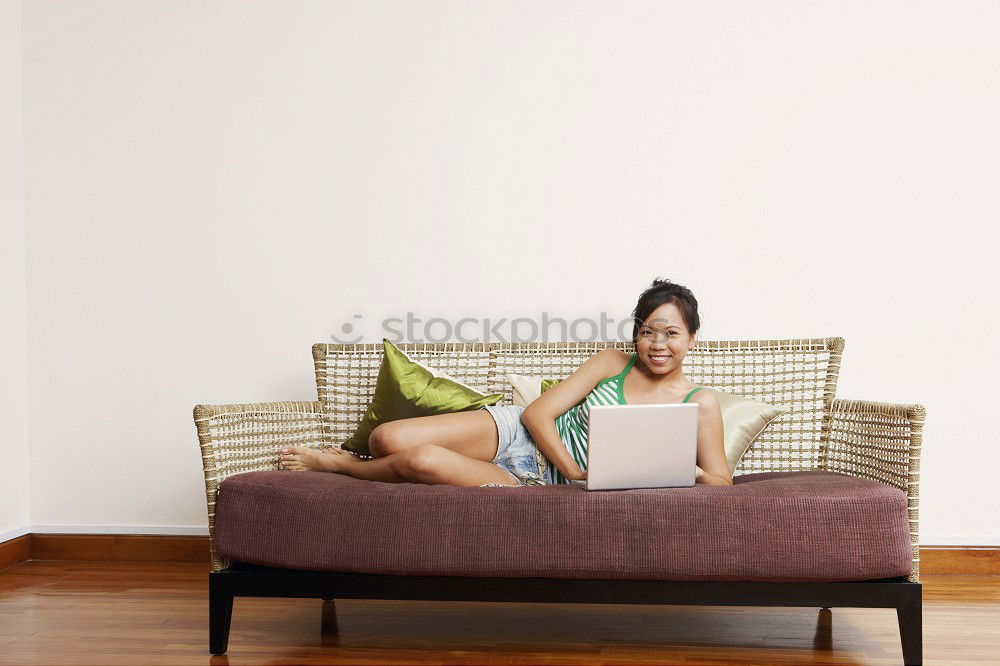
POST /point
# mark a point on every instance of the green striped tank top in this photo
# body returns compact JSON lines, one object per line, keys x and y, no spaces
{"x":573,"y":426}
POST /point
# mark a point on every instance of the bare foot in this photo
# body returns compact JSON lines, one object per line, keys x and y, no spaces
{"x":303,"y":458}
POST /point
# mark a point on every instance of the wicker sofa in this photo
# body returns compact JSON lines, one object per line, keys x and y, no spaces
{"x":822,"y":513}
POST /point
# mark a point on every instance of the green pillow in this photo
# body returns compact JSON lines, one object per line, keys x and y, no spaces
{"x":549,"y":383}
{"x":405,"y":389}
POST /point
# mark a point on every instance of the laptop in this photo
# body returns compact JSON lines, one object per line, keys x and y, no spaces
{"x":641,"y":446}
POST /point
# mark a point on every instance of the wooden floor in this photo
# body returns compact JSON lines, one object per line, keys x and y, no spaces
{"x":71,"y":612}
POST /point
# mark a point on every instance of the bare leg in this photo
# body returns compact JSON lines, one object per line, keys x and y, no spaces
{"x":456,"y":448}
{"x":427,"y":463}
{"x":472,"y":433}
{"x":303,"y":458}
{"x":377,"y":469}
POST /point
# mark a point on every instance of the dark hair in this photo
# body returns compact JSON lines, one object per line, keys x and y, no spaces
{"x":660,"y":293}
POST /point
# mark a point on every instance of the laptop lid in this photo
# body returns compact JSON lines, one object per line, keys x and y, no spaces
{"x":641,"y":446}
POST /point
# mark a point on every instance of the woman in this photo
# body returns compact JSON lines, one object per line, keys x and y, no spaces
{"x":498,"y":445}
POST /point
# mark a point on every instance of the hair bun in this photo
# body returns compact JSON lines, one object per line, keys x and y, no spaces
{"x":661,"y":292}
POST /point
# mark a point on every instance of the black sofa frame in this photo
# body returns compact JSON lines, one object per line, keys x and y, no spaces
{"x":246,"y":580}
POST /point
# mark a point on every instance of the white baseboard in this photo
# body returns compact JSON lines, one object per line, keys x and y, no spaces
{"x":960,"y":541}
{"x":168,"y":530}
{"x":197,"y":530}
{"x":14,"y":533}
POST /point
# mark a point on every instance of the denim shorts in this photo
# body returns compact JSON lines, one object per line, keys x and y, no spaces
{"x":517,"y":452}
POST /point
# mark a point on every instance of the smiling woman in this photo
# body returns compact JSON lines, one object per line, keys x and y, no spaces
{"x":665,"y":322}
{"x":546,"y":442}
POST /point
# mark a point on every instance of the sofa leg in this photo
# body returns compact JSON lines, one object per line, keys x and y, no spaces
{"x":220,"y":615}
{"x":823,"y":636}
{"x":328,"y":619}
{"x":910,"y":617}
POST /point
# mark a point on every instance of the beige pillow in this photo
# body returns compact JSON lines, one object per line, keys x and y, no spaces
{"x":526,"y":388}
{"x":743,"y":419}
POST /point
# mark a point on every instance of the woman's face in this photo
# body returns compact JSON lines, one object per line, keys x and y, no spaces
{"x":663,"y":340}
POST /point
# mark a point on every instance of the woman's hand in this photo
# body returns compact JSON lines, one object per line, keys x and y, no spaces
{"x":701,"y":476}
{"x":581,"y":477}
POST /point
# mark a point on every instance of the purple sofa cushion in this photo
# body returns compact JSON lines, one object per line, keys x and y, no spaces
{"x":776,"y":526}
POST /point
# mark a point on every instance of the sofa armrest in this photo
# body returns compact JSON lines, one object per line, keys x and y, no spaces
{"x":880,"y":441}
{"x":246,"y":438}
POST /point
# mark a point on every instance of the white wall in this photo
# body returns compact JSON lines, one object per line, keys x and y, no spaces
{"x":212,"y":187}
{"x":14,"y":518}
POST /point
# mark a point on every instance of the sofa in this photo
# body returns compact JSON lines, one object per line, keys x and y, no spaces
{"x":823,"y":511}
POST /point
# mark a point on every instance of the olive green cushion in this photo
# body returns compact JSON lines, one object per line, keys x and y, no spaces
{"x":743,"y":419}
{"x":405,"y":389}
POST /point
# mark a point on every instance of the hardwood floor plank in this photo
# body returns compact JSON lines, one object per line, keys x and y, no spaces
{"x":93,"y":612}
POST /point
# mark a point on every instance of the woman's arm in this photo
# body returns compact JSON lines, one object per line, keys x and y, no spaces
{"x":701,"y":476}
{"x":540,"y":416}
{"x":711,"y":446}
{"x":547,"y":439}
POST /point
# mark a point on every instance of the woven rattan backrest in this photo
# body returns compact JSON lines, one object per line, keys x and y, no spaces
{"x":798,"y":374}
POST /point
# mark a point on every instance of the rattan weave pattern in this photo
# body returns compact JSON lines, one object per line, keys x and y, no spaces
{"x":798,"y":374}
{"x":246,"y":438}
{"x":878,"y":441}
